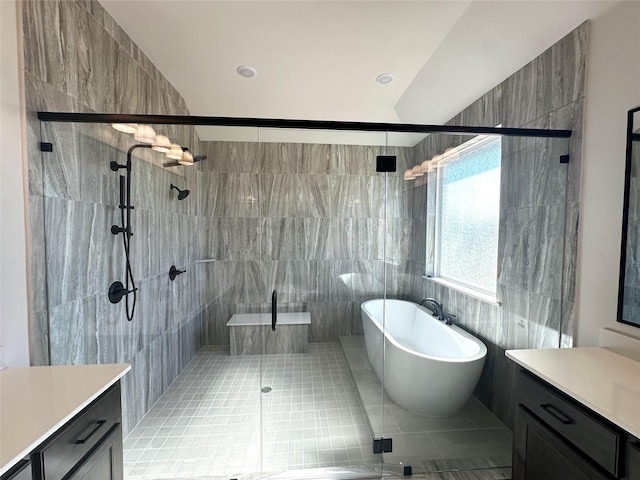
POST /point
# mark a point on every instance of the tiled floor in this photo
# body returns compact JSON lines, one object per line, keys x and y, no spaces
{"x":207,"y":425}
{"x":474,"y":438}
{"x":208,"y":421}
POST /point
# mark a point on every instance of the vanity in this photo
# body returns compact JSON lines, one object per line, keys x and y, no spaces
{"x":61,"y":422}
{"x":578,"y":415}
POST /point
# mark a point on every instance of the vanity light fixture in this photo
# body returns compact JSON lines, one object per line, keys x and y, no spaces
{"x":417,"y":171}
{"x":408,"y":174}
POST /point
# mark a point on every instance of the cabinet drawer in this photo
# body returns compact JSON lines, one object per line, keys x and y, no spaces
{"x":633,"y":462}
{"x":585,"y":431}
{"x":81,"y":434}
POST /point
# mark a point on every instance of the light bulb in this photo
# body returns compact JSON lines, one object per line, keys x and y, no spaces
{"x":162,"y":144}
{"x":175,"y":152}
{"x":145,"y":134}
{"x":408,"y":175}
{"x":125,"y":127}
{"x":417,"y":171}
{"x":187,"y":158}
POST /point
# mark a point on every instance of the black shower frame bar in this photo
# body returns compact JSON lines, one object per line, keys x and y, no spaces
{"x":298,"y":124}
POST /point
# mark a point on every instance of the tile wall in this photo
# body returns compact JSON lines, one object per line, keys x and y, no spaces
{"x":307,"y":220}
{"x":538,"y":216}
{"x":76,"y":58}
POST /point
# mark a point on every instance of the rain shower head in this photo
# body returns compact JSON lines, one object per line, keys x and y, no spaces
{"x":182,"y":194}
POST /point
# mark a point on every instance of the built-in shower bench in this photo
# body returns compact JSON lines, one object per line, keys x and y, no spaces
{"x":251,"y":334}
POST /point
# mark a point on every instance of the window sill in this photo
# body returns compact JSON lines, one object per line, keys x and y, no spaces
{"x":485,"y":297}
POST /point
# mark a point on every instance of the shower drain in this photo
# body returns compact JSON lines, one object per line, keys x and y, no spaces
{"x":266,"y":389}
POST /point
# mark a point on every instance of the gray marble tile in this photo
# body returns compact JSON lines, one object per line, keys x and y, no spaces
{"x":357,"y":196}
{"x":547,"y":241}
{"x":281,"y":158}
{"x":261,"y":340}
{"x":571,"y":117}
{"x":568,"y":325}
{"x":514,"y":321}
{"x":233,"y":238}
{"x":330,"y":320}
{"x":233,"y":157}
{"x":544,"y":322}
{"x":297,"y":281}
{"x":39,"y":339}
{"x":72,"y":330}
{"x":230,"y":195}
{"x":294,"y":196}
{"x":569,"y":275}
{"x":519,"y":156}
{"x":295,"y":238}
{"x":354,"y":159}
{"x":514,"y":249}
{"x":561,"y":71}
{"x":214,"y":319}
{"x":518,"y":100}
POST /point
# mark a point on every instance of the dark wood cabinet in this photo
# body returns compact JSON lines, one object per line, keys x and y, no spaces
{"x":88,"y":447}
{"x":22,"y":471}
{"x":540,"y":454}
{"x":104,"y":462}
{"x":558,"y":438}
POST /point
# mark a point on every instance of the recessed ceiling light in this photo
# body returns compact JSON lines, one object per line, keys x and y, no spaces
{"x":246,"y":72}
{"x":385,"y":78}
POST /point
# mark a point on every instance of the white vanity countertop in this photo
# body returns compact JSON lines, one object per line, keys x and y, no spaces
{"x":605,"y":382}
{"x":37,"y":401}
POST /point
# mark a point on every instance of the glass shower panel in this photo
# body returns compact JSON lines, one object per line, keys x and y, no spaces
{"x":322,"y":231}
{"x":533,"y":290}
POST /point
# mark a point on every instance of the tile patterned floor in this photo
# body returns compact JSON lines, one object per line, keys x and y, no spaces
{"x":208,"y":421}
{"x":207,"y":424}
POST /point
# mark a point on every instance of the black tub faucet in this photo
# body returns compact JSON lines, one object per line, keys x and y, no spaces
{"x":434,"y":306}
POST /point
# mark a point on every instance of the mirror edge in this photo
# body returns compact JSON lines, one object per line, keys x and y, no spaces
{"x":625,"y":217}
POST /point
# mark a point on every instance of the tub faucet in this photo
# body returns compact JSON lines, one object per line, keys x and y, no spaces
{"x":434,"y":306}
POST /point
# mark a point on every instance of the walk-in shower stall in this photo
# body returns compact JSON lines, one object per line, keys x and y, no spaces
{"x":286,"y":217}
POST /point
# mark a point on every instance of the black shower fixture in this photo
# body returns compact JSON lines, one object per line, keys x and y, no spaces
{"x":182,"y":194}
{"x":174,"y":272}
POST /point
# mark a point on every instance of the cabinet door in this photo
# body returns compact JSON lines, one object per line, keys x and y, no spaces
{"x":539,"y":454}
{"x":105,"y":460}
{"x":633,"y":462}
{"x":20,"y":472}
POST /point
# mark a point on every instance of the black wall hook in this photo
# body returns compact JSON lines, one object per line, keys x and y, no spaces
{"x":174,"y":272}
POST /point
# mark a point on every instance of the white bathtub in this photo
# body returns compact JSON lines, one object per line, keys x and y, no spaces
{"x":430,"y":368}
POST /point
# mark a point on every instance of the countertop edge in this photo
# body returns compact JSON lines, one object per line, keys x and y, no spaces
{"x":14,"y":461}
{"x":633,"y":430}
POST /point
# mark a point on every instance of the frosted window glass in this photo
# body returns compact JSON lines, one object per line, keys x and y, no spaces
{"x":469,"y":217}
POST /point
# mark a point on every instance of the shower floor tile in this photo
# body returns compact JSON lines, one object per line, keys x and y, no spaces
{"x":207,"y":423}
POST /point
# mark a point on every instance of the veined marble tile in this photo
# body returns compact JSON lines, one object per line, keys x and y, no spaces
{"x":233,"y":238}
{"x":295,"y":238}
{"x":544,"y":321}
{"x":39,"y":339}
{"x":357,"y":196}
{"x":518,"y":97}
{"x":514,"y":321}
{"x":295,"y":196}
{"x":282,"y":158}
{"x":231,"y":195}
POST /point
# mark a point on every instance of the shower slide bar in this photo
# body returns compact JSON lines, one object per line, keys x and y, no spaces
{"x":298,"y":124}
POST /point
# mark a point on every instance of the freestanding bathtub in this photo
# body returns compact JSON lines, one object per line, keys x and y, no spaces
{"x":429,"y":368}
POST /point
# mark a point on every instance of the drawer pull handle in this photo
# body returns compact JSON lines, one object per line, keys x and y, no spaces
{"x":99,"y":424}
{"x":557,"y":414}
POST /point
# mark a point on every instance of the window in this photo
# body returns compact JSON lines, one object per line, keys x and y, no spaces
{"x":467,"y":215}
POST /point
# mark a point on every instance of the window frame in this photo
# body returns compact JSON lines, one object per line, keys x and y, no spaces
{"x":448,"y":157}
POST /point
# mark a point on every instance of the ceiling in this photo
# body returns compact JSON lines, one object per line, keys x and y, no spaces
{"x":319,"y":60}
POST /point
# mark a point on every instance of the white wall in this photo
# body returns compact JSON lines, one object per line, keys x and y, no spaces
{"x":613,"y":88}
{"x":14,"y":310}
